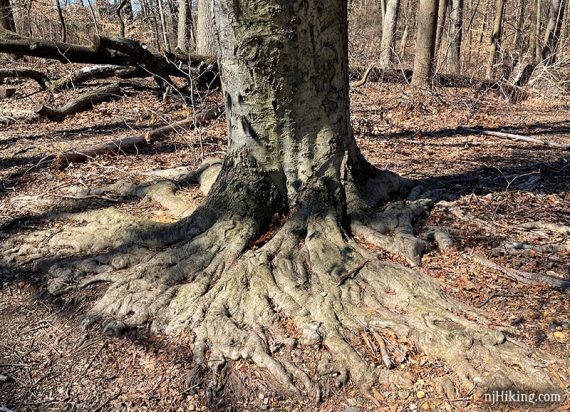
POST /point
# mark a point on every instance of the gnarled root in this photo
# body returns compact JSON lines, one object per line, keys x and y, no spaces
{"x":309,"y":285}
{"x":258,"y":304}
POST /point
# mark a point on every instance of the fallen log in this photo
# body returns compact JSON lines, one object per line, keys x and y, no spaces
{"x":404,"y":76}
{"x":120,"y":145}
{"x":516,"y":137}
{"x":83,"y":75}
{"x":25,"y":73}
{"x":84,"y":101}
{"x":109,"y":51}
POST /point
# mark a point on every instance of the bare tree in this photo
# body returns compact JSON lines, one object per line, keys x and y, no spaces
{"x":425,"y":43}
{"x":456,"y":36}
{"x":185,"y":31}
{"x":163,"y":26}
{"x":441,"y":13}
{"x":206,"y":37}
{"x":534,"y":49}
{"x":389,"y":32}
{"x":553,"y":30}
{"x":496,"y":36}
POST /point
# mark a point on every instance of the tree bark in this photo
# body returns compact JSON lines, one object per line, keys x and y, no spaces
{"x":553,"y":30}
{"x":425,"y":43}
{"x":456,"y":35}
{"x":164,"y":26}
{"x":121,"y":7}
{"x":185,"y":37}
{"x":389,"y":33}
{"x":108,"y":50}
{"x":61,"y":21}
{"x":206,"y":37}
{"x":519,"y":27}
{"x":292,"y":127}
{"x":534,"y":31}
{"x":39,"y":77}
{"x":441,"y":13}
{"x":83,"y":102}
{"x":496,"y":36}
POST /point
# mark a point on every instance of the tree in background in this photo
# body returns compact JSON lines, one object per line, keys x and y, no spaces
{"x":389,"y":33}
{"x":456,"y":36}
{"x":553,"y":30}
{"x":495,"y":36}
{"x":207,"y":42}
{"x":425,"y":43}
{"x":441,"y":14}
{"x":185,"y":38}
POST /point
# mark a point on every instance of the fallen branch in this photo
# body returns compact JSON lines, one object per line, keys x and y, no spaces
{"x":110,"y":51}
{"x":364,"y":78}
{"x":25,"y":73}
{"x":404,"y":76}
{"x":84,"y":101}
{"x":516,"y":137}
{"x":521,"y":248}
{"x":118,"y":146}
{"x":85,"y":74}
{"x":524,"y":277}
{"x":552,"y":227}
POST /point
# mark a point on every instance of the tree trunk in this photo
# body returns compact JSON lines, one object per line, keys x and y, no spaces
{"x":122,"y":7}
{"x":425,"y":43}
{"x":6,"y":16}
{"x":61,"y":21}
{"x":185,"y":35}
{"x":206,"y":37}
{"x":164,"y":26}
{"x":553,"y":30}
{"x":272,"y":254}
{"x":519,"y":27}
{"x":456,"y":35}
{"x":534,"y":33}
{"x":496,"y":36}
{"x":441,"y":13}
{"x":389,"y":32}
{"x":303,"y":137}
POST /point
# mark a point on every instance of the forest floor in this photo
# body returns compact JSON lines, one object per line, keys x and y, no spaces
{"x":49,"y":362}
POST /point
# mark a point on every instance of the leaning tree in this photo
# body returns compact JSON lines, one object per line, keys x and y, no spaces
{"x":279,"y":253}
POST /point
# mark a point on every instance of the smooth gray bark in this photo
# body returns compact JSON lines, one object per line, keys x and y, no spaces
{"x":425,"y":43}
{"x":185,"y":35}
{"x":206,"y":36}
{"x":441,"y":13}
{"x":496,"y":36}
{"x":389,"y":33}
{"x":456,"y":36}
{"x":553,"y":31}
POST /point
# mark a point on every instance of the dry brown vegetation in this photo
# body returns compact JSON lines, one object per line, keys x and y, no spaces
{"x":52,"y":363}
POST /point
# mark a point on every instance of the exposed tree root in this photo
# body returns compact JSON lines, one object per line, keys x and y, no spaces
{"x":309,"y":284}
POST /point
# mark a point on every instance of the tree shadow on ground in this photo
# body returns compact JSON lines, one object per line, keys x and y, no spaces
{"x":554,"y":177}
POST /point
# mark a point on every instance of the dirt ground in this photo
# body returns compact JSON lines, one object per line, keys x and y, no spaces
{"x":49,"y":362}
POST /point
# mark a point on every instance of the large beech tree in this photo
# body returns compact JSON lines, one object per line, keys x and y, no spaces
{"x":425,"y":42}
{"x":270,"y":259}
